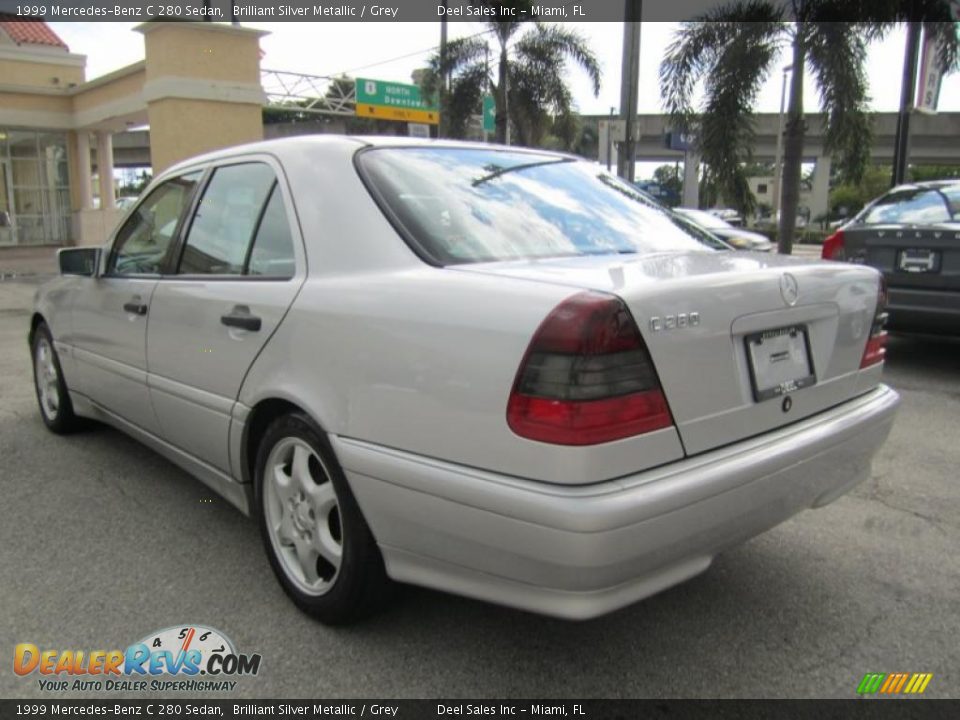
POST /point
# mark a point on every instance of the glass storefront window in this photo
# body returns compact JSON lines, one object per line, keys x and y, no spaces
{"x":34,"y":187}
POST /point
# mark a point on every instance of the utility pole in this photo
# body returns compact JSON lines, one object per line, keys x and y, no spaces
{"x":778,"y":162}
{"x":442,"y":125}
{"x":629,"y":86}
{"x":908,"y":84}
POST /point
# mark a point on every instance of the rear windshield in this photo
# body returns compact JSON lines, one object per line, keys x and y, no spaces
{"x":459,"y":205}
{"x":914,"y":206}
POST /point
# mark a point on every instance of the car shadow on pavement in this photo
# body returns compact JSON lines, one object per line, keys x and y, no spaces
{"x":937,"y":355}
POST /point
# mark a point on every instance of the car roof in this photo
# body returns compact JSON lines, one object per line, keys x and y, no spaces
{"x":927,"y":184}
{"x":289,"y":146}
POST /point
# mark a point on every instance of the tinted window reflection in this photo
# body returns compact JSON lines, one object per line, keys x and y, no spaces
{"x":475,"y":205}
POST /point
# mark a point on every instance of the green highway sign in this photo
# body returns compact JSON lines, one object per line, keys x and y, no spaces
{"x":394,"y":101}
{"x":489,"y":113}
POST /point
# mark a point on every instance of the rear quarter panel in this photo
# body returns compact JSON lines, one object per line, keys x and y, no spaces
{"x":424,"y":360}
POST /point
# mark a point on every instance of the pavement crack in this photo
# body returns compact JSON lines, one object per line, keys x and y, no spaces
{"x":935,"y":522}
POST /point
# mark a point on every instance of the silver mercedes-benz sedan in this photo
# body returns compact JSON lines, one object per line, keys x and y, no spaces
{"x":493,"y":371}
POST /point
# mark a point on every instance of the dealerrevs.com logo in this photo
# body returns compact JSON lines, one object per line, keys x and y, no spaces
{"x":187,"y":658}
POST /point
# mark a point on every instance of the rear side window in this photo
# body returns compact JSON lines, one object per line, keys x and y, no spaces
{"x":952,"y":193}
{"x":459,"y":205}
{"x":918,"y":206}
{"x":272,"y":251}
{"x":226,"y":219}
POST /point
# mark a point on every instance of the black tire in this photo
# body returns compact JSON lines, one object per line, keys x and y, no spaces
{"x":56,"y":410}
{"x":359,"y":586}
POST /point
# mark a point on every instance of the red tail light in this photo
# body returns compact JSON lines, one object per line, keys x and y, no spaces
{"x":876,"y":349}
{"x":833,"y":247}
{"x":587,"y":377}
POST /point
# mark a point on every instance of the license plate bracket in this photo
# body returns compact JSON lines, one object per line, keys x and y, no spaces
{"x":918,"y":260}
{"x":780,"y":361}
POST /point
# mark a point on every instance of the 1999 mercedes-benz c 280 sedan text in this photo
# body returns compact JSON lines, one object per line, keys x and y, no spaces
{"x":492,"y":371}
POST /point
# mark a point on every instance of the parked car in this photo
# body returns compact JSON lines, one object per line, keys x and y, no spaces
{"x":735,"y":236}
{"x":487,"y":370}
{"x":729,"y":215}
{"x":912,"y":235}
{"x":126,"y":202}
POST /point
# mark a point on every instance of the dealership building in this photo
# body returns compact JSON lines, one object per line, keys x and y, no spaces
{"x":197,"y":88}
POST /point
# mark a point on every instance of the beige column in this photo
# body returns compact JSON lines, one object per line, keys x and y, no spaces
{"x":105,"y":169}
{"x":84,"y":171}
{"x":820,"y":196}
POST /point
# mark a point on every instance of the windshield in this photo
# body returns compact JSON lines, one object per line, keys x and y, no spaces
{"x":465,"y":205}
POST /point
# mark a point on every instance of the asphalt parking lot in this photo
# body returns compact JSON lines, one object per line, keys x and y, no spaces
{"x":102,"y":541}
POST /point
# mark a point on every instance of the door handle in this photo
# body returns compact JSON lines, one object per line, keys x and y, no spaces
{"x":240,"y":317}
{"x":135,"y":307}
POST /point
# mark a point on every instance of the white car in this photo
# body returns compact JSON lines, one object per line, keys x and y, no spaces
{"x":736,"y":236}
{"x":492,"y":371}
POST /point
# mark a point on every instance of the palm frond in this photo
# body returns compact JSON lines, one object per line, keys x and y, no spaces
{"x":553,"y":43}
{"x":837,"y":52}
{"x":730,"y":50}
{"x":465,"y":98}
{"x":461,"y":53}
{"x":881,"y":16}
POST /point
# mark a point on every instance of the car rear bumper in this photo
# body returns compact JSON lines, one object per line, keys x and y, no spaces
{"x":925,"y":311}
{"x":578,"y":552}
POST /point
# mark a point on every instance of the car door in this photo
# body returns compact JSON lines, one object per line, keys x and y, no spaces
{"x":111,"y":312}
{"x":238,"y":269}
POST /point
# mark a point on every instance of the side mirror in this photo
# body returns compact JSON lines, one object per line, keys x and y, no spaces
{"x":4,"y":219}
{"x":83,"y":261}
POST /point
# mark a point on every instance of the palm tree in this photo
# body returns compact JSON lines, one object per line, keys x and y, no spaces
{"x":529,"y":81}
{"x":732,"y":49}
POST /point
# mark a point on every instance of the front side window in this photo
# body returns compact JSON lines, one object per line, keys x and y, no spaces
{"x":226,"y":219}
{"x":918,"y":206}
{"x":476,"y":205}
{"x":144,"y":239}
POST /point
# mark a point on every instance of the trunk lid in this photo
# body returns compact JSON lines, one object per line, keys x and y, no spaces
{"x":698,"y":313}
{"x":924,"y":258}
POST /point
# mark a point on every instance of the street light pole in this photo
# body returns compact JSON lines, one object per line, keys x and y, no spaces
{"x":610,"y":138}
{"x":778,"y":158}
{"x":907,"y":89}
{"x":442,"y":124}
{"x":629,"y":86}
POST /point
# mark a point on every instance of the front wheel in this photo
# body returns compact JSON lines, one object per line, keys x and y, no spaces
{"x":52,"y":396}
{"x":318,"y":543}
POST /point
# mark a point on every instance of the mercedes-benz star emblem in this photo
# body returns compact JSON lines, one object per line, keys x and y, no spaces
{"x":789,"y":289}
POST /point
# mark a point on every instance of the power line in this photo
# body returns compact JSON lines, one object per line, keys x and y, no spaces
{"x":409,"y":55}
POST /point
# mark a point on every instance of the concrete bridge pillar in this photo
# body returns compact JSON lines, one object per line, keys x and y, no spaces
{"x":820,"y":193}
{"x":691,"y":180}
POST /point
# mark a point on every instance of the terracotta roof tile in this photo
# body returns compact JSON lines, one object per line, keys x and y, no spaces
{"x":30,"y":32}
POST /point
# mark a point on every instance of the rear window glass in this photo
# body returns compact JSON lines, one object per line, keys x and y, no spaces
{"x":919,"y":206}
{"x":474,"y":205}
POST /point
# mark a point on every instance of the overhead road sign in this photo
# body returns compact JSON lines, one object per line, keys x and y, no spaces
{"x":489,"y":113}
{"x":394,"y":101}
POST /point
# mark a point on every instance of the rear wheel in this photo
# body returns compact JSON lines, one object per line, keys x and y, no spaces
{"x":52,"y":396}
{"x":316,"y":539}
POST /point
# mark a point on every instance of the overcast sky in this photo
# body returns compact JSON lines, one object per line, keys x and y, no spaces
{"x":391,"y":51}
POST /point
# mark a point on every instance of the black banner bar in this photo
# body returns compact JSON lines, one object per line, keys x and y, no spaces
{"x":362,"y":11}
{"x":863,"y":709}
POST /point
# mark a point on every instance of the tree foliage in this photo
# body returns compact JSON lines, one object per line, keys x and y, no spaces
{"x":524,"y":65}
{"x":730,"y":52}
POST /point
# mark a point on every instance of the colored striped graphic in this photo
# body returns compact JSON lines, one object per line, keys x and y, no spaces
{"x":894,"y":683}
